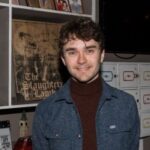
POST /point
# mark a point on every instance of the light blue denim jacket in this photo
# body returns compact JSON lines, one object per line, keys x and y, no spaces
{"x":57,"y":126}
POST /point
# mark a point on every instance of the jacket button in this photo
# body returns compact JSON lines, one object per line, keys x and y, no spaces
{"x":57,"y":135}
{"x":79,"y":135}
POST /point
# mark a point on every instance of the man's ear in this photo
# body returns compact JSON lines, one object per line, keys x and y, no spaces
{"x":102,"y":55}
{"x":63,"y":60}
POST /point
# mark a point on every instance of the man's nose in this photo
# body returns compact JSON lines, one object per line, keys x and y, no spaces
{"x":81,"y":58}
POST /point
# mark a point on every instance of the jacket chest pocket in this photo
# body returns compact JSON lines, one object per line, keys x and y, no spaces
{"x":117,"y":136}
{"x":59,"y":140}
{"x":119,"y":132}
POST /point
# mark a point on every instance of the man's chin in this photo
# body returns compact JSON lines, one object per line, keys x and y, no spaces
{"x":80,"y":80}
{"x":84,"y":81}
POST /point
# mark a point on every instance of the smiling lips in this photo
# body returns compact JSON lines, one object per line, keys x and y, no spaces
{"x":83,"y":68}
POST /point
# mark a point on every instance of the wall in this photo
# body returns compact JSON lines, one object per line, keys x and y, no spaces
{"x":127,"y":57}
{"x":146,"y":143}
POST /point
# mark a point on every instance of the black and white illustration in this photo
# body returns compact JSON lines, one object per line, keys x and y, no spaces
{"x":5,"y":139}
{"x":35,"y":55}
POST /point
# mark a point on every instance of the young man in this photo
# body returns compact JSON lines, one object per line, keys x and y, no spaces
{"x":86,"y":113}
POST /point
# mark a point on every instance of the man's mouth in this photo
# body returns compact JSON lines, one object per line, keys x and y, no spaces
{"x":83,"y":68}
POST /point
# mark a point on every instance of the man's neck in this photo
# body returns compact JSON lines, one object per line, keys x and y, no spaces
{"x":88,"y":81}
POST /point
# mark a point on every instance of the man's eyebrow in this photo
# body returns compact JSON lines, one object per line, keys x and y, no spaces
{"x":90,"y":46}
{"x":73,"y":49}
{"x":69,"y":49}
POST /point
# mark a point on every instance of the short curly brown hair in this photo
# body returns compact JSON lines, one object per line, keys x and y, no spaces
{"x":82,"y":28}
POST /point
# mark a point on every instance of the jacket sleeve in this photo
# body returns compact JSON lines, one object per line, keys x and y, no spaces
{"x":135,"y":135}
{"x":39,"y":141}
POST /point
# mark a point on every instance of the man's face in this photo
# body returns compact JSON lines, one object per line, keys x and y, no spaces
{"x":82,"y":59}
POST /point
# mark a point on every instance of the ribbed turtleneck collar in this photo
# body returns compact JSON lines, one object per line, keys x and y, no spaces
{"x":86,"y":89}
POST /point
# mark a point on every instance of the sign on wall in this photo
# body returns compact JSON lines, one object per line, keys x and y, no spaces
{"x":35,"y":57}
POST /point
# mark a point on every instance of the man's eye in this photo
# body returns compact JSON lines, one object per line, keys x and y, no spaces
{"x":90,"y":51}
{"x":71,"y":53}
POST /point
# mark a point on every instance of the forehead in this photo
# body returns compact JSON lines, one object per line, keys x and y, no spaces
{"x":80,"y":43}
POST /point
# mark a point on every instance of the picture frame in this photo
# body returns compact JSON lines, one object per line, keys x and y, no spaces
{"x":35,"y":60}
{"x":15,"y":2}
{"x":46,"y":4}
{"x":62,"y":5}
{"x":5,"y":139}
{"x":33,"y":3}
{"x":76,"y":6}
{"x":23,"y":2}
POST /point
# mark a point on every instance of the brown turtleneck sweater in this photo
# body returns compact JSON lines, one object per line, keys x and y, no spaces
{"x":86,"y":98}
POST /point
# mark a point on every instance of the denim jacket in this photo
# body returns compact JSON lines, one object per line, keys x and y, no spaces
{"x":57,"y":126}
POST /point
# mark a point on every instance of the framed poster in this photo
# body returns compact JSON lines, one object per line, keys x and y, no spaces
{"x":5,"y":139}
{"x":76,"y":6}
{"x":62,"y":5}
{"x":35,"y":57}
{"x":46,"y":4}
{"x":15,"y":2}
{"x":33,"y":3}
{"x":23,"y":2}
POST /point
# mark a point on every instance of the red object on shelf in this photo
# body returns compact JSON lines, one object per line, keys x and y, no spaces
{"x":23,"y":143}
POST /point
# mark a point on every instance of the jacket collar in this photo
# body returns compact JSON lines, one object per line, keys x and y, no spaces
{"x":65,"y":94}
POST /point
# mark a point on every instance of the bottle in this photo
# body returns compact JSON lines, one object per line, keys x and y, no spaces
{"x":24,"y":141}
{"x":23,"y":125}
